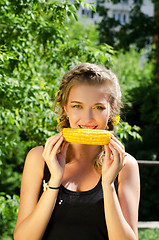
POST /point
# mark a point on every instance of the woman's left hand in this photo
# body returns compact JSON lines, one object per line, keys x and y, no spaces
{"x":113,"y":161}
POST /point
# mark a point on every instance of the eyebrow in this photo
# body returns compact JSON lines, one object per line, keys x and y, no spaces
{"x":81,"y":103}
{"x":98,"y":104}
{"x":75,"y":102}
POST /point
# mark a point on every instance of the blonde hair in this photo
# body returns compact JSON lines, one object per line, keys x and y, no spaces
{"x":92,"y":74}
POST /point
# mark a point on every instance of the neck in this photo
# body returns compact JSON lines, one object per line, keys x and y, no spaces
{"x":84,"y":154}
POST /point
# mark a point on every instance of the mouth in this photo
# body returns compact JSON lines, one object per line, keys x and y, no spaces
{"x":87,"y":127}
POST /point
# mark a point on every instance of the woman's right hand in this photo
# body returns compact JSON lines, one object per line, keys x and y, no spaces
{"x":54,"y":159}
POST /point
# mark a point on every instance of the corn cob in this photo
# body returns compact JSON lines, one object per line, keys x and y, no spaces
{"x":86,"y":136}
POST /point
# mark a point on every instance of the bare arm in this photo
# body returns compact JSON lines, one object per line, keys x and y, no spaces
{"x":34,"y":215}
{"x":121,"y":212}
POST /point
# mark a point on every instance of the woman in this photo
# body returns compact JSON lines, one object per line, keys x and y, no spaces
{"x":93,"y":191}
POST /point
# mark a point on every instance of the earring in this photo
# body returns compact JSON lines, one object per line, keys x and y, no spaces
{"x":57,"y":93}
{"x":115,"y":120}
{"x":58,"y":120}
{"x":109,"y":120}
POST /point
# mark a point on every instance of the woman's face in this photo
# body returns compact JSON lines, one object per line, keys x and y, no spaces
{"x":88,"y":107}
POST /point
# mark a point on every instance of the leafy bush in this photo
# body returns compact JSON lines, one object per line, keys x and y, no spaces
{"x":34,"y":56}
{"x":141,"y":100}
{"x":8,"y":214}
{"x":149,"y":234}
{"x":37,"y":48}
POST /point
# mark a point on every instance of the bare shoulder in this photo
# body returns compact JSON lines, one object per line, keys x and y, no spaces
{"x":35,"y":159}
{"x":130,"y":160}
{"x":129,"y":178}
{"x":33,"y":169}
{"x":130,"y":170}
{"x":35,"y":152}
{"x":131,"y":164}
{"x":34,"y":166}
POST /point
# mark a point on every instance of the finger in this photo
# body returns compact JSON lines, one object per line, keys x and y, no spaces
{"x":117,"y":141}
{"x":114,"y":151}
{"x":118,"y":156}
{"x":124,"y":159}
{"x":107,"y":152}
{"x":57,"y":146}
{"x":51,"y":142}
{"x":64,"y":148}
{"x":53,"y":138}
{"x":107,"y":159}
{"x":118,"y":147}
{"x":49,"y":145}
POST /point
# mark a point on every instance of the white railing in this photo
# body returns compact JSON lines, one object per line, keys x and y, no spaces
{"x":145,"y":225}
{"x":148,"y":162}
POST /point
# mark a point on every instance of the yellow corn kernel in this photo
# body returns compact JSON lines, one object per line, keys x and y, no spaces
{"x":86,"y":136}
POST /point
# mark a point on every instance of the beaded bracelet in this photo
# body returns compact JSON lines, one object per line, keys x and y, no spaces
{"x":46,"y":186}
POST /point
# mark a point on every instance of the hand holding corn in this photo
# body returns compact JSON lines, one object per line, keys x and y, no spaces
{"x":54,"y":155}
{"x":86,"y":136}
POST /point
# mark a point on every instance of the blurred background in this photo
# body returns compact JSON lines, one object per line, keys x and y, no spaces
{"x":39,"y":41}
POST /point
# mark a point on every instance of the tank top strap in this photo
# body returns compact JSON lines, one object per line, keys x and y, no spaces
{"x":46,"y":175}
{"x":116,"y":184}
{"x":46,"y":178}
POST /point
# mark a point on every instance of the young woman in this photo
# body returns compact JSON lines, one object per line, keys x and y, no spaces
{"x":93,"y":190}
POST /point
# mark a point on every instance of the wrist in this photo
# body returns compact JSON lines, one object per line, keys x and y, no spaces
{"x":107,"y":185}
{"x":54,"y":183}
{"x":54,"y":188}
{"x":47,"y":185}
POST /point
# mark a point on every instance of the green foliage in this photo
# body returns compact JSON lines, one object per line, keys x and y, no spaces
{"x":106,"y":27}
{"x":8,"y":214}
{"x":85,"y":31}
{"x":149,"y":234}
{"x":139,"y":30}
{"x":134,"y":70}
{"x":124,"y":131}
{"x":148,"y":107}
{"x":141,"y":103}
{"x":34,"y":55}
{"x":148,"y":148}
{"x":39,"y":44}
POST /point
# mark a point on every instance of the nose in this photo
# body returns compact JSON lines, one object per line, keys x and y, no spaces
{"x":88,"y":115}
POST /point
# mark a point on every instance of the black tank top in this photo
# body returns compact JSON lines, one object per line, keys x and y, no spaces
{"x":77,"y":215}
